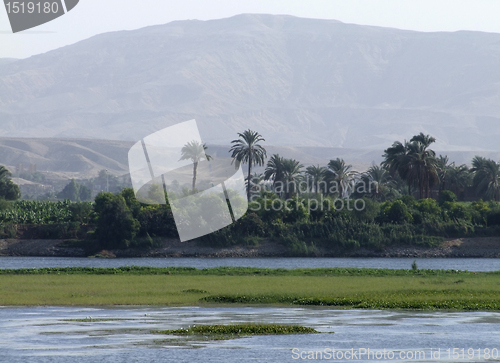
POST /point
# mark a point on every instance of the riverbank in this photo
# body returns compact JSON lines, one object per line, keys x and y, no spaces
{"x":459,"y":247}
{"x":175,"y":286}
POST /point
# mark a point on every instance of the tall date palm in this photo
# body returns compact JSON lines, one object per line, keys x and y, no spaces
{"x":378,"y":183}
{"x":194,"y":151}
{"x":292,"y":174}
{"x":414,"y":162}
{"x":316,"y":175}
{"x":396,"y":161}
{"x":285,"y":173}
{"x":422,"y":168}
{"x":341,"y":176}
{"x":247,"y":149}
{"x":486,"y":177}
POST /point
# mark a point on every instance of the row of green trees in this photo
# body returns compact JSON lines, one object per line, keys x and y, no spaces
{"x":120,"y":221}
{"x":390,"y":213}
{"x":409,"y":167}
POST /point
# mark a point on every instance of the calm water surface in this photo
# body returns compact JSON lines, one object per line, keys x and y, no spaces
{"x":43,"y":334}
{"x":471,"y":264}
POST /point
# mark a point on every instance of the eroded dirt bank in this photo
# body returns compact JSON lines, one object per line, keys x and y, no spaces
{"x":460,"y":247}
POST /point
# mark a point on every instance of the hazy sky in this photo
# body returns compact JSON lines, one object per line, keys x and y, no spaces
{"x":92,"y":17}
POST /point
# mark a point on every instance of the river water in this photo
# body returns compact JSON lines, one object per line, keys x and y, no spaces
{"x":470,"y":264}
{"x":42,"y":334}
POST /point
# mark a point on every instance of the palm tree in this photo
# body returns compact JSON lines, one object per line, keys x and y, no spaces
{"x":486,"y":177}
{"x":194,"y":151}
{"x":317,"y":175}
{"x":426,"y":140}
{"x":246,"y":149}
{"x":291,"y":174}
{"x":341,"y":175}
{"x":275,"y":171}
{"x":396,"y":161}
{"x":422,"y":168}
{"x":378,"y":183}
{"x":414,"y":163}
{"x":452,"y":177}
{"x":443,"y":169}
{"x":458,"y":178}
{"x":285,"y":173}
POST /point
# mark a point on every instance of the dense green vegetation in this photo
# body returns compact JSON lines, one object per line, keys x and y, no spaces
{"x":35,"y":212}
{"x":342,"y":288}
{"x":240,"y":329}
{"x":422,"y":300}
{"x":411,"y":198}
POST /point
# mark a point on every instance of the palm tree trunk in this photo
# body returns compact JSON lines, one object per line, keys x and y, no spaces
{"x":195,"y":166}
{"x":249,"y":174}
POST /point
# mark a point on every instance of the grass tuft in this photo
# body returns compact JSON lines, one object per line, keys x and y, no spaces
{"x":195,"y":291}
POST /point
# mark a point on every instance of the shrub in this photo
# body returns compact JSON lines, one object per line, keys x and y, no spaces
{"x":222,"y":238}
{"x":5,"y":204}
{"x":447,"y":196}
{"x":399,"y":234}
{"x":269,"y":207}
{"x":408,"y":200}
{"x":459,"y":211}
{"x":250,"y":225}
{"x":351,"y":244}
{"x":369,"y":212}
{"x":157,"y":221}
{"x":298,"y":247}
{"x":144,"y":242}
{"x":397,"y":213}
{"x":81,"y":212}
{"x":428,"y":207}
{"x":115,"y":225}
{"x":133,"y":205}
{"x":479,"y":212}
{"x":295,"y":211}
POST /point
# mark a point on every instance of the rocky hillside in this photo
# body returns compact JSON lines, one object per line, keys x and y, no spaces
{"x":300,"y":82}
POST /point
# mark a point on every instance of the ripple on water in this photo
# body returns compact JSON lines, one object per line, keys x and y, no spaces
{"x":47,"y":334}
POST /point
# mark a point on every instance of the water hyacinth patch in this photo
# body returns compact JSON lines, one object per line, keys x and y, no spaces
{"x":240,"y":329}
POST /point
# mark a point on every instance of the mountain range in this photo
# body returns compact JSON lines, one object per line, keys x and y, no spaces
{"x":299,"y":82}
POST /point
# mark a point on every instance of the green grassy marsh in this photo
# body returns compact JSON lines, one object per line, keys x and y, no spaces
{"x":339,"y":287}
